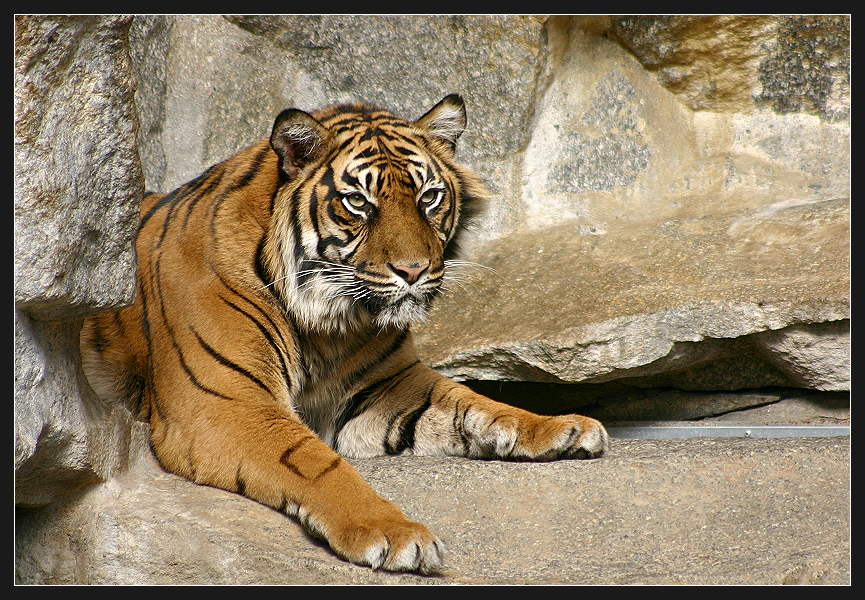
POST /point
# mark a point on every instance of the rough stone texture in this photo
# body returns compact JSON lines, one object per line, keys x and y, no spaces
{"x":77,"y":172}
{"x":308,"y":61}
{"x":702,"y":512}
{"x":804,"y":408}
{"x":148,"y":48}
{"x":817,"y":357}
{"x":65,"y":438}
{"x":792,"y":63}
{"x":77,"y":186}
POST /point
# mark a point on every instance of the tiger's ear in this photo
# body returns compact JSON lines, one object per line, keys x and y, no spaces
{"x":446,"y":120}
{"x":298,"y":139}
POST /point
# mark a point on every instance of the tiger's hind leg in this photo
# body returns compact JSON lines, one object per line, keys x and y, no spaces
{"x":419,"y":411}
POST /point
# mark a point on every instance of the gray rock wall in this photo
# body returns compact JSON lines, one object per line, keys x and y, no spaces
{"x":78,"y":182}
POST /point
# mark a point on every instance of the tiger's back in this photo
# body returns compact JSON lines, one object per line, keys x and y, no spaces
{"x":121,"y":350}
{"x":270,"y":332}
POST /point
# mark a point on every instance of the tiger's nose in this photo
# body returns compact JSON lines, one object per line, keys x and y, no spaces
{"x":409,"y":272}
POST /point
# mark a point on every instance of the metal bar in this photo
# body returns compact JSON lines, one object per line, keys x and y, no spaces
{"x":693,"y":430}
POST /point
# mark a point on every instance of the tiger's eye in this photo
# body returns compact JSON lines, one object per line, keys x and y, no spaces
{"x":356,"y":200}
{"x":430,"y":196}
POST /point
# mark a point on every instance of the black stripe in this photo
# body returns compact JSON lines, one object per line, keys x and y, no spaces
{"x":118,"y":323}
{"x":177,"y":199}
{"x":149,"y":391}
{"x":409,"y":425}
{"x":254,"y":168}
{"x":159,"y":204}
{"x":241,"y":182}
{"x":200,"y":194}
{"x":97,"y":337}
{"x":336,"y":217}
{"x":279,"y":351}
{"x":459,"y":425}
{"x":352,"y":119}
{"x":355,"y":404}
{"x":334,"y":464}
{"x":394,"y":346}
{"x":193,"y":184}
{"x":239,"y":483}
{"x":170,"y":331}
{"x":263,"y":313}
{"x":351,"y":409}
{"x":260,"y":268}
{"x":326,"y":180}
{"x":297,"y":234}
{"x":155,"y":401}
{"x":136,"y":396}
{"x":331,"y":240}
{"x":214,"y":208}
{"x":346,"y":178}
{"x":228,"y":363}
{"x":284,"y":459}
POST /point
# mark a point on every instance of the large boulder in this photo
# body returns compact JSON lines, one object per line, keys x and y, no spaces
{"x":77,"y":186}
{"x":77,"y":172}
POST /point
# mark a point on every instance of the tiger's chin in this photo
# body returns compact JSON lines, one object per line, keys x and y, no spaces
{"x":342,"y":314}
{"x":404,"y":312}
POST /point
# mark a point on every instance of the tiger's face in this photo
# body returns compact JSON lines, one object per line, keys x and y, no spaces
{"x":369,"y":211}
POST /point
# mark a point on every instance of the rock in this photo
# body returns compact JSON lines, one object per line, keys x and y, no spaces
{"x":77,"y":188}
{"x":816,"y":356}
{"x":792,"y":63}
{"x":65,"y":438}
{"x":829,"y":408}
{"x":148,"y":49}
{"x":699,"y":512}
{"x":566,"y":307}
{"x":78,"y":176}
{"x":310,"y":61}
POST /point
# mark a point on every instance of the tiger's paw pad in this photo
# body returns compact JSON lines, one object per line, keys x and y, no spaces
{"x":393,"y":546}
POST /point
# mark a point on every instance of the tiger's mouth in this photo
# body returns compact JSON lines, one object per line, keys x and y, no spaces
{"x":344,"y":289}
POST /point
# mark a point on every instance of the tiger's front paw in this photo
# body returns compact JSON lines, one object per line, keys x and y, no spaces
{"x":545,"y":438}
{"x":392,"y":544}
{"x":570,"y":436}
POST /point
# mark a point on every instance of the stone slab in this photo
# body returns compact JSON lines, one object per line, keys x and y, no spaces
{"x":702,"y":512}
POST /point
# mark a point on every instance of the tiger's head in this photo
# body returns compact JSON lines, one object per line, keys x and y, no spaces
{"x":368,"y":214}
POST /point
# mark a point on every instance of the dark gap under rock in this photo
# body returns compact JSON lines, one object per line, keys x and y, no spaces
{"x":614,"y":402}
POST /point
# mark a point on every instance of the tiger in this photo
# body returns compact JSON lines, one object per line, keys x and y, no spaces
{"x":270,"y":336}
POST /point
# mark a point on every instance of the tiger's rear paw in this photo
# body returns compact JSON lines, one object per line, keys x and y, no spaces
{"x":391,"y":545}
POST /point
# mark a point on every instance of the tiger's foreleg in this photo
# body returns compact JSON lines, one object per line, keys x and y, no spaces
{"x":419,"y":411}
{"x":259,"y":450}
